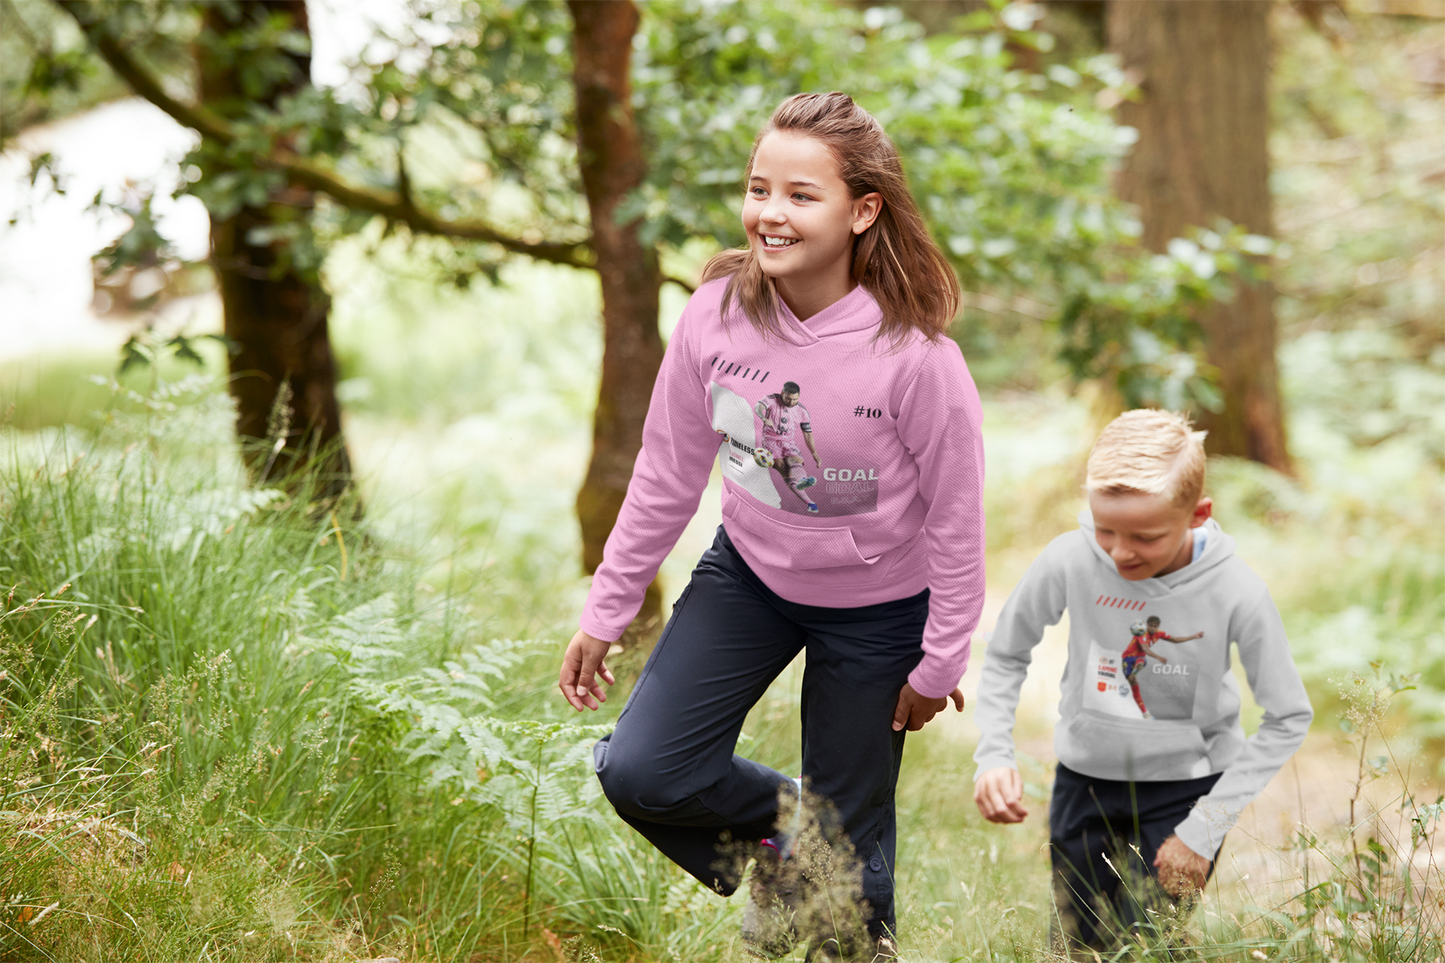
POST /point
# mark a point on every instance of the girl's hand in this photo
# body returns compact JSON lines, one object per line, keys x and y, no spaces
{"x":914,"y":710}
{"x":999,"y":795}
{"x":583,"y":671}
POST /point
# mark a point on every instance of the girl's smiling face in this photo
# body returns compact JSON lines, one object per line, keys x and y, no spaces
{"x":801,"y":221}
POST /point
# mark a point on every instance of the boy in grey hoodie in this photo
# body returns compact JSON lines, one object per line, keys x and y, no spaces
{"x":1153,"y":766}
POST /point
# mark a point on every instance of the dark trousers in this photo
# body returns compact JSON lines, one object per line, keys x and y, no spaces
{"x":1126,"y":822}
{"x":669,"y":767}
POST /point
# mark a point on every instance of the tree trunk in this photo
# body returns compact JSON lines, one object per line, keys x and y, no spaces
{"x":611,"y":158}
{"x":1202,"y":154}
{"x":283,"y":374}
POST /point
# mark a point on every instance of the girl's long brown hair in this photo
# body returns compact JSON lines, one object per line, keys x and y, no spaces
{"x":895,"y":258}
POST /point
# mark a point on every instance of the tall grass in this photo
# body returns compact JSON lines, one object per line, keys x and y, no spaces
{"x":203,"y":748}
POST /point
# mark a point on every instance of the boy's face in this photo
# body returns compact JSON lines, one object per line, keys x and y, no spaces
{"x":1146,"y":535}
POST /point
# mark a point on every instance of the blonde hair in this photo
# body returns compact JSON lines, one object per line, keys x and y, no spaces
{"x":895,"y":258}
{"x":1149,"y":452}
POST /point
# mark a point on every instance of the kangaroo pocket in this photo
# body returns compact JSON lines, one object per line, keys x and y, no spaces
{"x":775,"y":543}
{"x":1143,"y":750}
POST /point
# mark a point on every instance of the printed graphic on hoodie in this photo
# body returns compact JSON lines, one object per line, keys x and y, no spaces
{"x":760,"y":451}
{"x":1143,"y":682}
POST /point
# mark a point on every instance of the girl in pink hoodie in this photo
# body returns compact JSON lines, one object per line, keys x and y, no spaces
{"x":814,"y":367}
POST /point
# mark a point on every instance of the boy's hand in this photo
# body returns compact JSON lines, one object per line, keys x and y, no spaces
{"x":999,"y":795}
{"x":914,"y":710}
{"x":1182,"y":871}
{"x":582,"y":668}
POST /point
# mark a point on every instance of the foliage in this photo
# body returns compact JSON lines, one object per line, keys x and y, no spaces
{"x":185,"y":695}
{"x":1356,"y":135}
{"x":1358,"y":116}
{"x":45,"y":71}
{"x":472,"y":119}
{"x":1358,"y":900}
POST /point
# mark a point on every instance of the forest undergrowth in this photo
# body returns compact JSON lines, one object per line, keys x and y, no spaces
{"x":237,"y":727}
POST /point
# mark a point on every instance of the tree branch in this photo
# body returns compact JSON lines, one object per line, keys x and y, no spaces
{"x":396,"y":205}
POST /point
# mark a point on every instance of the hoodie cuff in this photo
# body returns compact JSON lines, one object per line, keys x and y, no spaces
{"x":993,"y":762}
{"x":1203,"y":833}
{"x":930,"y":680}
{"x":598,"y":629}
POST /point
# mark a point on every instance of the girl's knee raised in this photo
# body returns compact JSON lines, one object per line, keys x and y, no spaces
{"x":632,"y":782}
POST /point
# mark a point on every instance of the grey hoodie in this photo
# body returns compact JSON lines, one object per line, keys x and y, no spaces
{"x":1192,"y":701}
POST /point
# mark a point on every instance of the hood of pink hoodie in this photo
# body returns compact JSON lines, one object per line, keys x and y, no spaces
{"x":856,"y":311}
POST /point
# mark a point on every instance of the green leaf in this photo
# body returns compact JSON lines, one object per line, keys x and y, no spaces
{"x":134,"y":354}
{"x":185,"y":351}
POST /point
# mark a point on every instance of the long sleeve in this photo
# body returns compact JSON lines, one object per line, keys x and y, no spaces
{"x":1036,"y":603}
{"x":1274,"y":680}
{"x":940,"y":424}
{"x":668,"y":479}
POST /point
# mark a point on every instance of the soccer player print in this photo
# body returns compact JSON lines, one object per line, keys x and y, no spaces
{"x":781,"y":413}
{"x":1135,"y":656}
{"x":1173,"y":685}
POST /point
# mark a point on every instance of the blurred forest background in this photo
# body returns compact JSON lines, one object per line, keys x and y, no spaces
{"x":328,"y":330}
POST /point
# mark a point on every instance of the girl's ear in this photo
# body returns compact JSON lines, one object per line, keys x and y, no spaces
{"x":866,"y":210}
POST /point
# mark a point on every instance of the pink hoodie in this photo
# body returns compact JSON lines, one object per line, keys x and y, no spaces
{"x":896,"y":503}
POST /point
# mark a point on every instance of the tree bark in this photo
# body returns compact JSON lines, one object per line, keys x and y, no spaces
{"x":612,"y":165}
{"x":1202,"y":154}
{"x":283,"y":373}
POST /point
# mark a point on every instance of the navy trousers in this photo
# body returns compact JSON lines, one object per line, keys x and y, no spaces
{"x":669,"y":767}
{"x":1094,"y":820}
